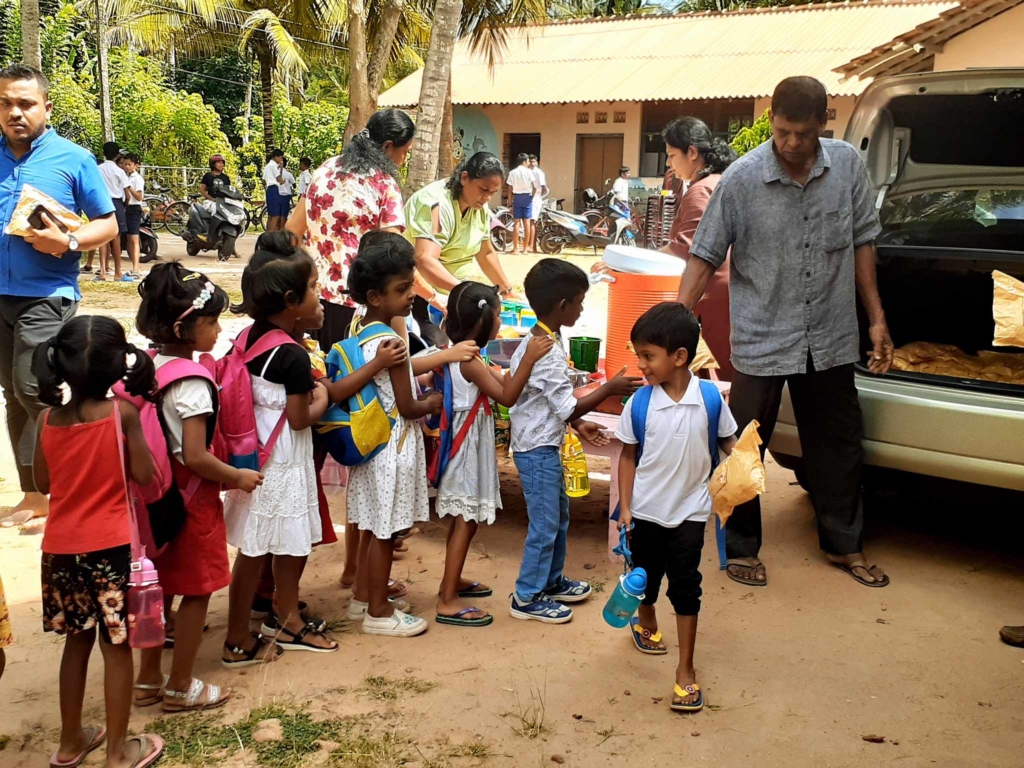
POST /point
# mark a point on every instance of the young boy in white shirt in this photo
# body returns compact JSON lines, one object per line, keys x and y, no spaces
{"x":664,"y":469}
{"x":305,"y":175}
{"x":555,"y":290}
{"x":133,"y":208}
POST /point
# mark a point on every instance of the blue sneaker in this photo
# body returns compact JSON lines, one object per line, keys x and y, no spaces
{"x":569,"y":591}
{"x":540,"y":610}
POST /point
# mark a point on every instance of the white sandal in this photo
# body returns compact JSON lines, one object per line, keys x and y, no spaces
{"x":156,"y":698}
{"x":190,"y":698}
{"x":397,"y":624}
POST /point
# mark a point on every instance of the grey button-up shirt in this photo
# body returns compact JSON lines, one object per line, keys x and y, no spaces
{"x":791,"y":283}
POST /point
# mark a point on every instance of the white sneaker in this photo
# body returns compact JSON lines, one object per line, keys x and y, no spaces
{"x":397,"y":624}
{"x":357,"y":608}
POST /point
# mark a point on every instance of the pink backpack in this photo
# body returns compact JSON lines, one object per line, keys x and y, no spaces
{"x":236,"y":423}
{"x":164,"y":499}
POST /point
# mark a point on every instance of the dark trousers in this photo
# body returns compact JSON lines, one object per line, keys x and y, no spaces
{"x":671,"y":552}
{"x":828,"y":419}
{"x":25,"y":324}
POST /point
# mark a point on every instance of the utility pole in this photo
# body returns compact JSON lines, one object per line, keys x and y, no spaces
{"x":104,"y":72}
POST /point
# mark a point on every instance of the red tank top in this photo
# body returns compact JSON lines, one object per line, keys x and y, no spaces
{"x":88,"y":509}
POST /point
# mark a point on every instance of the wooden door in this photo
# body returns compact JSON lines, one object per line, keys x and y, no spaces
{"x":597,"y":158}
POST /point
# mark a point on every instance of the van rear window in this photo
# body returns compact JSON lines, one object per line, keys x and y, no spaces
{"x":984,"y":218}
{"x":982,"y":129}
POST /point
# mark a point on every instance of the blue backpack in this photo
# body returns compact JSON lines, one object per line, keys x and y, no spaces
{"x":713,"y":407}
{"x":357,"y":430}
{"x":443,"y":447}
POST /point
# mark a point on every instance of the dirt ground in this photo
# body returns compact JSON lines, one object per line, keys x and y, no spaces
{"x":795,"y":674}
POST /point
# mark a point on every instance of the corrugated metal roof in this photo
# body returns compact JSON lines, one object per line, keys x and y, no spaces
{"x":740,"y":54}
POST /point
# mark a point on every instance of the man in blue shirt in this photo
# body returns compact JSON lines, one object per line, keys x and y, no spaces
{"x":39,"y":272}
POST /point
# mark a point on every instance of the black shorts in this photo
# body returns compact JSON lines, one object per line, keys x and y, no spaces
{"x":672,"y":552}
{"x":90,"y":590}
{"x":133,"y":218}
{"x":122,"y":224}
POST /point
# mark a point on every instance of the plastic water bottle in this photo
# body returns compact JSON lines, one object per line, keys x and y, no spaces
{"x":145,"y":608}
{"x":626,"y":598}
{"x":574,"y":467}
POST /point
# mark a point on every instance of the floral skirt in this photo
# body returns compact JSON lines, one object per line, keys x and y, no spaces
{"x":88,"y":590}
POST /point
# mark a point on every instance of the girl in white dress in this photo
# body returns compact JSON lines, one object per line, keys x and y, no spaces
{"x":388,"y":493}
{"x":468,"y":490}
{"x":282,"y":517}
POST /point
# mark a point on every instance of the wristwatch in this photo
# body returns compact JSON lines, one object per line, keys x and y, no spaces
{"x":72,"y":242}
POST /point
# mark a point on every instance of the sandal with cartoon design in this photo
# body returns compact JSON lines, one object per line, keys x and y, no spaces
{"x":637,"y":632}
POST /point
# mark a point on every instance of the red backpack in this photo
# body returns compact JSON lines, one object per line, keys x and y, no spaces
{"x":164,"y":499}
{"x":238,"y":441}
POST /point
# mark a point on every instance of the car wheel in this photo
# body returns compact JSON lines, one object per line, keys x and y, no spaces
{"x":801,"y":477}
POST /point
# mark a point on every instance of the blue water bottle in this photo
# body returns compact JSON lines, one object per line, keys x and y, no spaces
{"x":628,"y":592}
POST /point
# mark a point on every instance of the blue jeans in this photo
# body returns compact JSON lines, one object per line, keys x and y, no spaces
{"x":547,"y":505}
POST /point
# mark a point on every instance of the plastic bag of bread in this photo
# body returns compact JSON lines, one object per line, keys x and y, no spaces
{"x":740,"y":477}
{"x":1008,"y":310}
{"x":30,"y":204}
{"x":703,"y":359}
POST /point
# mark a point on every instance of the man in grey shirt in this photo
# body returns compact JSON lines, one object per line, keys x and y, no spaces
{"x":799,"y":216}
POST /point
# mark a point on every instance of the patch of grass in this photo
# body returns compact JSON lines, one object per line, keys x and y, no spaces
{"x":386,"y":750}
{"x":198,"y":740}
{"x":386,"y":689}
{"x":473,"y":749}
{"x":339,"y":624}
{"x":607,"y":733}
{"x":530,"y":717}
{"x":597,"y":586}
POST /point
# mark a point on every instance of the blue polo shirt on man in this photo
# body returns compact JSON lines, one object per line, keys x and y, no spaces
{"x":69,"y":175}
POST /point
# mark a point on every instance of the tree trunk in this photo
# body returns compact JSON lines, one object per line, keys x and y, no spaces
{"x":445,"y":156}
{"x":436,"y":73}
{"x":266,"y":59}
{"x":103,"y":71}
{"x":360,"y":106}
{"x":382,"y":45}
{"x":30,"y":33}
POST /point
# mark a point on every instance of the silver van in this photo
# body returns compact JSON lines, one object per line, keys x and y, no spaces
{"x":945,"y":152}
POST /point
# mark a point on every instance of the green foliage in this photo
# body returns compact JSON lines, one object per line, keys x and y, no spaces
{"x":314,"y":130}
{"x":209,"y":76}
{"x":75,"y":115}
{"x":754,"y":136}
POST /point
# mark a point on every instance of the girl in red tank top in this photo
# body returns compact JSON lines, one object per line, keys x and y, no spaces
{"x":179,"y":312}
{"x":87,"y":542}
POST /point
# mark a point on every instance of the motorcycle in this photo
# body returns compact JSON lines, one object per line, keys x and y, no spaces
{"x":215,"y":225}
{"x":501,"y":227}
{"x":148,"y":241}
{"x":563,"y":229}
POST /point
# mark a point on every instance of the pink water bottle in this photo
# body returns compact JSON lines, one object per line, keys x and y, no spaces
{"x":145,"y":607}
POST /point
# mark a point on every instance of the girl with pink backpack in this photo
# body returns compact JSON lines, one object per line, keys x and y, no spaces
{"x":180,"y":313}
{"x":282,"y":517}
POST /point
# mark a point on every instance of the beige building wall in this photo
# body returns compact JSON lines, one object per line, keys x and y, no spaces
{"x":556,"y":124}
{"x":998,"y":42}
{"x":843,"y":105}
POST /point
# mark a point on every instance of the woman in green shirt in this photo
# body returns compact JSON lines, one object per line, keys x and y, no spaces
{"x":449,"y":225}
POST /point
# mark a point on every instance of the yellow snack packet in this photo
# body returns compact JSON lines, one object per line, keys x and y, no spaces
{"x":703,"y":359}
{"x":1008,"y":310}
{"x":740,"y":477}
{"x":30,"y":202}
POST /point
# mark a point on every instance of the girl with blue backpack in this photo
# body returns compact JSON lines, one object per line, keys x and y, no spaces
{"x":180,"y":314}
{"x":281,"y":517}
{"x":465,"y":469}
{"x":388,"y":493}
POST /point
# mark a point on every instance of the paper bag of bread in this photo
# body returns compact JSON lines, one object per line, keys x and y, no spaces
{"x":31,"y":204}
{"x":1008,"y":310}
{"x":740,"y":477}
{"x":703,"y":359}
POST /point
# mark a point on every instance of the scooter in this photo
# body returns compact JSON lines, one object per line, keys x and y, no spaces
{"x":148,"y":241}
{"x":563,"y":229}
{"x":214,"y":225}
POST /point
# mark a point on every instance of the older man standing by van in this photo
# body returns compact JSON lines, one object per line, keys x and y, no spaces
{"x":798,"y":213}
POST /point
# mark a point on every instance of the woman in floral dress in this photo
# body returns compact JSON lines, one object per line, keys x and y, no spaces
{"x":348,"y":196}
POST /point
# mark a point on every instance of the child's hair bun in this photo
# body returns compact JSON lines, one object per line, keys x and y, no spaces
{"x":280,"y":243}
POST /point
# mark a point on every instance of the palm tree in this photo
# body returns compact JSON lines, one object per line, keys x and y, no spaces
{"x":283,"y":36}
{"x":30,"y":33}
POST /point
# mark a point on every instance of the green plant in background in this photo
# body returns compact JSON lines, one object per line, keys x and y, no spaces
{"x":315,"y":131}
{"x":754,"y":136}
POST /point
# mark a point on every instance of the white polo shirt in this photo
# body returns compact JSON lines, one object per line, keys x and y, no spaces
{"x":671,"y":484}
{"x":115,"y":178}
{"x":270,"y":173}
{"x":522,"y":180}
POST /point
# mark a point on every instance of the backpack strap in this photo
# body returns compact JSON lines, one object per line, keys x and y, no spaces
{"x":372,"y":331}
{"x":268,"y":341}
{"x":638,"y":416}
{"x":482,"y":400}
{"x":181,"y":368}
{"x":713,"y":406}
{"x":138,"y":551}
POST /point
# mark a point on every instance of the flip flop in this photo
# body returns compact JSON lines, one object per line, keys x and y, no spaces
{"x":637,"y":632}
{"x":144,"y":760}
{"x":99,"y":735}
{"x":397,"y":588}
{"x":459,"y":619}
{"x":883,"y":582}
{"x":682,"y":693}
{"x":742,"y":580}
{"x":473,"y":591}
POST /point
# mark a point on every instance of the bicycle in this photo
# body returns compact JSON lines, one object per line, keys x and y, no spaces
{"x":176,"y":215}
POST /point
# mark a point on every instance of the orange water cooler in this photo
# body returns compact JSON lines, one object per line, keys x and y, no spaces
{"x":629,"y":297}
